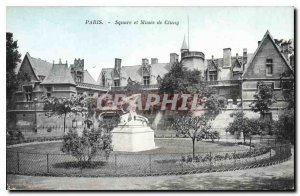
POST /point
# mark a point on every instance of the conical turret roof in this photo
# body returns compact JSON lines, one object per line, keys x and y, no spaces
{"x":184,"y":45}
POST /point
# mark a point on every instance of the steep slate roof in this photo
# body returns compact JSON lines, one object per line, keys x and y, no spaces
{"x":237,"y":65}
{"x":132,"y":72}
{"x":108,"y":75}
{"x":39,"y":66}
{"x":87,"y":78}
{"x":267,"y":35}
{"x":160,"y":69}
{"x":218,"y":62}
{"x":59,"y":74}
{"x":135,"y":72}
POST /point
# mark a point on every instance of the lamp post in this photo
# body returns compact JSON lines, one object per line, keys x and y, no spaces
{"x":35,"y":100}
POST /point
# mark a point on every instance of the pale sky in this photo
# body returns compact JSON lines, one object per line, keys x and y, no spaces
{"x":51,"y":33}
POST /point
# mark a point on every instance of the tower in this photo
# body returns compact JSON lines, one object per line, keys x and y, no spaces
{"x":77,"y":70}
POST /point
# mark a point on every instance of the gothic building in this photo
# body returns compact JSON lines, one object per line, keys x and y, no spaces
{"x":235,"y":77}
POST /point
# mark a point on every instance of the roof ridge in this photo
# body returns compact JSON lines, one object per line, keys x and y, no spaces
{"x":259,"y":46}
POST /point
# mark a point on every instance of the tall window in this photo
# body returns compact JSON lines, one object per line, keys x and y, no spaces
{"x":159,"y":80}
{"x":267,"y":116}
{"x":212,"y":75}
{"x":269,"y":67}
{"x":103,"y":80}
{"x":49,"y":91}
{"x":79,"y":76}
{"x":236,"y":74}
{"x":78,"y":79}
{"x":28,"y":93}
{"x":117,"y":82}
{"x":146,"y":80}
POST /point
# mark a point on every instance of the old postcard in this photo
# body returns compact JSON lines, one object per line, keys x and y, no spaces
{"x":150,"y":98}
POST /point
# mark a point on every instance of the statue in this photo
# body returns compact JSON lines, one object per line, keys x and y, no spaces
{"x":130,"y":116}
{"x":133,"y":133}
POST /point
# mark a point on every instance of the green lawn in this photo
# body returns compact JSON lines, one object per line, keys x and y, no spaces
{"x":163,"y":146}
{"x":166,"y":157}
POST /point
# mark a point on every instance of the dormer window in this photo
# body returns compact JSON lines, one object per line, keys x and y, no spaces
{"x":117,"y":82}
{"x":159,"y":80}
{"x":269,"y":67}
{"x":213,"y":75}
{"x":79,"y":76}
{"x":146,"y":80}
{"x":41,"y":77}
{"x":28,"y":93}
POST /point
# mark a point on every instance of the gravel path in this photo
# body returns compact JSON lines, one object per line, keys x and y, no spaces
{"x":276,"y":177}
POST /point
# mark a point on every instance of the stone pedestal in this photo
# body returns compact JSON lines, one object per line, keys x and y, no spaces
{"x":133,"y":136}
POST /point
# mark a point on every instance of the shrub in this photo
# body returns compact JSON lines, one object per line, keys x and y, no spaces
{"x":183,"y":158}
{"x":227,"y":156}
{"x":198,"y":158}
{"x":86,"y":147}
{"x":189,"y":158}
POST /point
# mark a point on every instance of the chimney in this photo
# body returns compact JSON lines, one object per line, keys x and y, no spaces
{"x":173,"y":58}
{"x":118,"y":64}
{"x":258,"y":43}
{"x":244,"y":57}
{"x":154,"y":60}
{"x":227,"y":57}
{"x":145,"y":62}
{"x":284,"y":47}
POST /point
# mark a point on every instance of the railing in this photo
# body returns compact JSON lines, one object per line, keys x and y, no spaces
{"x":224,"y":83}
{"x":150,"y":86}
{"x":143,"y":87}
{"x":193,"y":53}
{"x":147,"y":164}
{"x":91,"y":86}
{"x":118,"y":88}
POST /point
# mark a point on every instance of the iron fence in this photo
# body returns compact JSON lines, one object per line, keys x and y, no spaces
{"x":264,"y":152}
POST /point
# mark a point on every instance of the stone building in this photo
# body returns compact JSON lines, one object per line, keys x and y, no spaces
{"x":148,"y":74}
{"x":267,"y":64}
{"x":48,"y":79}
{"x":233,"y":76}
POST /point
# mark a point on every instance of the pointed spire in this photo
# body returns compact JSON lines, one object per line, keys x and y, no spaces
{"x":184,"y":45}
{"x":188,"y":32}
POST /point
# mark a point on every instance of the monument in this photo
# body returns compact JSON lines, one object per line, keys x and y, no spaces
{"x":133,"y":133}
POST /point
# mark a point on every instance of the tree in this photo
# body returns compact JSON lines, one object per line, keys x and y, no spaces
{"x":263,"y":99}
{"x":285,"y":126}
{"x":214,"y":105}
{"x":194,"y":127}
{"x":62,"y":107}
{"x":179,"y":80}
{"x":287,"y":82}
{"x":242,"y":124}
{"x":13,"y":57}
